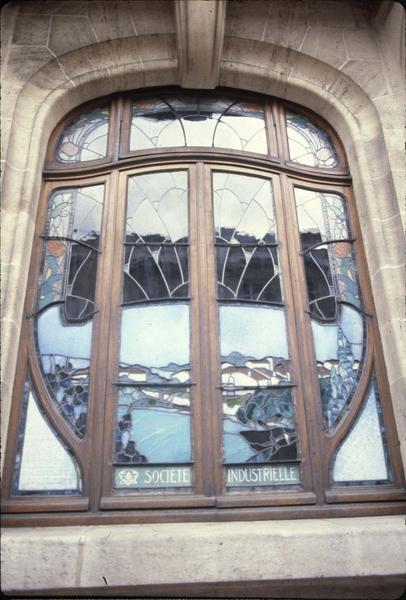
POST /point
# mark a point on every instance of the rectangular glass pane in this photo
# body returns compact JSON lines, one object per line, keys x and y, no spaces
{"x":198,"y":121}
{"x":259,"y":426}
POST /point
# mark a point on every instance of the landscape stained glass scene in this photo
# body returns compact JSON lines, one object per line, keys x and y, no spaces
{"x":153,"y":412}
{"x":66,"y":297}
{"x":43,"y":462}
{"x":85,"y":138}
{"x":258,"y":412}
{"x":308,"y":143}
{"x":338,"y":320}
{"x":198,"y":121}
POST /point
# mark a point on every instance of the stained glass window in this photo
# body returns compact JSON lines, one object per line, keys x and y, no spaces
{"x":198,"y":121}
{"x":153,"y":421}
{"x":84,"y":138}
{"x":309,"y":144}
{"x":66,"y":295}
{"x":338,"y":319}
{"x":199,"y":331}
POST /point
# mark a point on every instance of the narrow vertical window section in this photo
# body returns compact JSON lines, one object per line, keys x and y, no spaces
{"x":154,"y":396}
{"x":66,"y":298}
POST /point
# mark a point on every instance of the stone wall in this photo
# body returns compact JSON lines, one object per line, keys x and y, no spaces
{"x":343,"y":59}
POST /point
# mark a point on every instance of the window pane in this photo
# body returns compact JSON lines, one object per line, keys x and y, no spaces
{"x":198,"y":121}
{"x":259,"y":426}
{"x":68,"y":277}
{"x":309,"y":144}
{"x":85,"y":138}
{"x":335,"y":304}
{"x":43,"y":462}
{"x":363,"y":455}
{"x":157,"y":208}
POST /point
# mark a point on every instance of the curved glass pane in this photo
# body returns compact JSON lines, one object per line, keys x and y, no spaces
{"x":198,"y":121}
{"x":85,"y":138}
{"x":308,"y":143}
{"x":66,"y":295}
{"x":43,"y":462}
{"x":363,"y":456}
{"x":335,"y":304}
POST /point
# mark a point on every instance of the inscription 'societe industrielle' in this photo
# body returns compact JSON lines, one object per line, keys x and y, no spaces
{"x":181,"y":476}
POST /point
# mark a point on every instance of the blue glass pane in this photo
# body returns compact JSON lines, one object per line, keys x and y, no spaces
{"x":309,"y":144}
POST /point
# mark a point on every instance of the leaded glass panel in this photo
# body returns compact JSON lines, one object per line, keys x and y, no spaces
{"x":198,"y":121}
{"x":335,"y":305}
{"x":85,"y":138}
{"x":363,"y":455}
{"x":308,"y":143}
{"x":44,"y":465}
{"x":66,"y":297}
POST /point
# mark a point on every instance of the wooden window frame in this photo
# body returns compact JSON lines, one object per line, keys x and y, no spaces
{"x":99,"y":503}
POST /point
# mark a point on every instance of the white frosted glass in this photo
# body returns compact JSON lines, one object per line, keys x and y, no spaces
{"x":155,"y":335}
{"x":45,"y":464}
{"x":55,"y":337}
{"x":326,"y":336}
{"x":157,"y":204}
{"x":253,"y":331}
{"x":361,"y":457}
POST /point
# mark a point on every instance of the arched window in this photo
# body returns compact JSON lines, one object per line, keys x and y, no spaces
{"x":200,"y":331}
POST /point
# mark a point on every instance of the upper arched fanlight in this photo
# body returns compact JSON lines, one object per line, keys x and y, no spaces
{"x":204,"y":120}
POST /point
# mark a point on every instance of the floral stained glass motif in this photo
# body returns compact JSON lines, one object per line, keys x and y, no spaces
{"x":198,"y":121}
{"x":156,"y":250}
{"x":335,"y":305}
{"x":68,"y":278}
{"x":363,"y":455}
{"x":308,"y":143}
{"x":85,"y":138}
{"x":43,"y":463}
{"x":247,"y":260}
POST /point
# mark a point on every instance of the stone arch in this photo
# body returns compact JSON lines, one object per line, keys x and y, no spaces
{"x":150,"y":60}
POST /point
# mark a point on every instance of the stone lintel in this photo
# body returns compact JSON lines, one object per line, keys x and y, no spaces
{"x":200,"y":28}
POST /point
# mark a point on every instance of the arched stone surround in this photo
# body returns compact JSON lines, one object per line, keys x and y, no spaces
{"x":150,"y":60}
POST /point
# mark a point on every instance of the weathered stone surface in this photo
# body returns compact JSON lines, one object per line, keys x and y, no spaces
{"x":69,"y":33}
{"x":287,"y":24}
{"x":55,"y":557}
{"x":343,"y":14}
{"x":326,"y":44}
{"x":51,"y":7}
{"x":23,"y":61}
{"x":362,"y":45}
{"x":369,"y":75}
{"x":152,"y":17}
{"x":247,"y":21}
{"x":32,"y":31}
{"x":199,"y":35}
{"x":112,"y":20}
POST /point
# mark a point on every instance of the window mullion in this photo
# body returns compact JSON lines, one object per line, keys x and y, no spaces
{"x":204,"y":330}
{"x":106,"y":337}
{"x":309,"y":416}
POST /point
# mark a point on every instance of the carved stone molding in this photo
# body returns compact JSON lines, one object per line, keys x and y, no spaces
{"x":200,"y":33}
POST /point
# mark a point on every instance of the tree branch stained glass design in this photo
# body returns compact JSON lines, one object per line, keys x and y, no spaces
{"x":338,"y":320}
{"x":66,"y":298}
{"x":156,"y":250}
{"x":198,"y":121}
{"x":153,"y":421}
{"x":85,"y":138}
{"x":258,"y":410}
{"x":247,"y":260}
{"x":309,"y":144}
